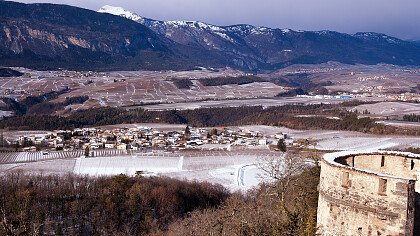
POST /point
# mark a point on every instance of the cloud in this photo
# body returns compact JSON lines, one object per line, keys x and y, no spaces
{"x":394,"y":17}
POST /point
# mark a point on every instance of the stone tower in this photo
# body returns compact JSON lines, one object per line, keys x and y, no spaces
{"x":368,"y":193}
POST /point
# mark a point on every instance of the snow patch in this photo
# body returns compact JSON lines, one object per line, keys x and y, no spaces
{"x":119,"y":11}
{"x":107,"y":166}
{"x":285,"y":31}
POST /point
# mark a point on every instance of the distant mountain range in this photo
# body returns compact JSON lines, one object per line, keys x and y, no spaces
{"x":49,"y":36}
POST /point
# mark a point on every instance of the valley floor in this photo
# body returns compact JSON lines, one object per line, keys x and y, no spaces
{"x":236,"y":169}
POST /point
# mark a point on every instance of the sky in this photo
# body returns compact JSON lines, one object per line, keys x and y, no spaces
{"x":398,"y":18}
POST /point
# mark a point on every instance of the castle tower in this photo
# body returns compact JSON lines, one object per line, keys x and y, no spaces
{"x":362,"y":193}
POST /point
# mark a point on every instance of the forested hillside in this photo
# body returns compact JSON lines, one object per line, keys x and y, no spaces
{"x":119,"y":205}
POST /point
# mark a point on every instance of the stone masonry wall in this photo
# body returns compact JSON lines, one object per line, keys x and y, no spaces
{"x":395,"y":165}
{"x":354,"y":202}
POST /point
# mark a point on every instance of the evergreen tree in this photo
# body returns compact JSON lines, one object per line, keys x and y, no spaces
{"x":87,"y":151}
{"x":1,"y":139}
{"x":187,"y":132}
{"x":281,"y":145}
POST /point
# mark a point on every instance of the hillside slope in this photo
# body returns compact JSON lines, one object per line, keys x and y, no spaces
{"x":53,"y":36}
{"x":49,"y":36}
{"x":251,"y":47}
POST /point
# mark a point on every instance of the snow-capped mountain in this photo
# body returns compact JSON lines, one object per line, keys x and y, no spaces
{"x":119,"y":11}
{"x":191,"y":28}
{"x":183,"y":32}
{"x":186,"y":32}
{"x":59,"y":36}
{"x":252,"y":47}
{"x":244,"y":45}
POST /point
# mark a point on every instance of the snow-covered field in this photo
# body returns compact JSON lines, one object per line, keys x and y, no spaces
{"x":265,"y":102}
{"x":5,"y":114}
{"x":236,"y":170}
{"x":55,"y":167}
{"x":343,"y":140}
{"x":348,"y":141}
{"x":389,"y":108}
{"x":358,"y":143}
{"x":21,"y":157}
{"x":127,"y":165}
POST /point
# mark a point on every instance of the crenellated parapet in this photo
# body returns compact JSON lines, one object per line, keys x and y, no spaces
{"x":368,"y":193}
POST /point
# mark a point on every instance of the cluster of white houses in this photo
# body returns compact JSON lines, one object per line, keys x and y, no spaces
{"x":141,"y":138}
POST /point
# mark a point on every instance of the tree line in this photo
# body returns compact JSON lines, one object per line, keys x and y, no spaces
{"x":412,"y":118}
{"x":35,"y":204}
{"x":240,"y":80}
{"x":289,"y":116}
{"x":260,"y":212}
{"x":119,"y":205}
{"x":182,"y":83}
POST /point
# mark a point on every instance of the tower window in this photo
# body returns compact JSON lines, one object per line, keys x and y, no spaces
{"x":382,"y":161}
{"x":345,"y":180}
{"x":382,"y":186}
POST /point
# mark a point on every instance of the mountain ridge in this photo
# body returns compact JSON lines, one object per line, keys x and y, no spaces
{"x":271,"y":47}
{"x":51,"y":36}
{"x":119,"y":11}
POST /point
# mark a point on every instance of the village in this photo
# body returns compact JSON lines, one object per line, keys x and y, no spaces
{"x":142,"y":138}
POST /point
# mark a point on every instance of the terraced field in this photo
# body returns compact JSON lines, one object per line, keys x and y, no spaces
{"x":118,"y":89}
{"x":23,"y":157}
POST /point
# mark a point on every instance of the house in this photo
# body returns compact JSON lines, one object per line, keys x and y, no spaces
{"x":158,"y":142}
{"x":122,"y":146}
{"x":262,"y":141}
{"x":96,"y":145}
{"x":239,"y":141}
{"x":30,"y":149}
{"x":194,"y":142}
{"x":110,"y":145}
{"x":214,"y":141}
{"x":40,"y":141}
{"x":281,"y":136}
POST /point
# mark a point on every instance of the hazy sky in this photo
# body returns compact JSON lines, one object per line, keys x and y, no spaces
{"x":398,"y":18}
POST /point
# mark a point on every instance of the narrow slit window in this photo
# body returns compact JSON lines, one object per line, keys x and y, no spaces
{"x":345,"y":180}
{"x":412,"y":165}
{"x":382,"y":161}
{"x":382,"y":186}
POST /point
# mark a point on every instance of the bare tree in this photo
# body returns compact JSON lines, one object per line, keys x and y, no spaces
{"x":281,"y":169}
{"x":282,"y":172}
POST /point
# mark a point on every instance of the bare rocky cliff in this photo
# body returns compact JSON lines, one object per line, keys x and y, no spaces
{"x":47,"y":35}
